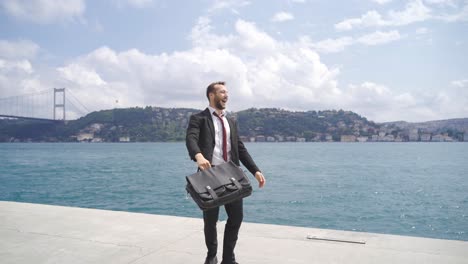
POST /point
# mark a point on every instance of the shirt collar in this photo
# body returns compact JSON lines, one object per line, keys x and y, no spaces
{"x":214,"y":110}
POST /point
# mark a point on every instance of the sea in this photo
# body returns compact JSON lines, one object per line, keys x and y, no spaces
{"x":414,"y":189}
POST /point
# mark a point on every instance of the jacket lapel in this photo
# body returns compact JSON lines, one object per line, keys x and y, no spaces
{"x":234,"y":142}
{"x":232,"y":129}
{"x":210,"y":123}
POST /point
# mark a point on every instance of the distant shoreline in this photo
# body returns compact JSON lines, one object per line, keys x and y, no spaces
{"x":276,"y":142}
{"x":156,"y":124}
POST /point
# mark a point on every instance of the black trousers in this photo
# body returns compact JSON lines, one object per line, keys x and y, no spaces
{"x":235,"y":215}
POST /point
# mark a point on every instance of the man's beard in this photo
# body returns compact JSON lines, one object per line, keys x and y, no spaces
{"x":219,"y":105}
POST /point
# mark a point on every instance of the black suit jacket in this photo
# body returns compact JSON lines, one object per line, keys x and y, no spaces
{"x":201,"y":139}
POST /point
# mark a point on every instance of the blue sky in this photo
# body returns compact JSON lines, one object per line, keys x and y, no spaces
{"x":387,"y":60}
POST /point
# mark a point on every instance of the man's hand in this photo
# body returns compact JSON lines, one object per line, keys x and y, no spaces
{"x":202,"y":163}
{"x":260,"y":178}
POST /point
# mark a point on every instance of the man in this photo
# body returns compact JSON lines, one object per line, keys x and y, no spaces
{"x":212,"y":139}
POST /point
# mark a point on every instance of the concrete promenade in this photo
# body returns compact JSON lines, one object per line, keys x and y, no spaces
{"x":34,"y":233}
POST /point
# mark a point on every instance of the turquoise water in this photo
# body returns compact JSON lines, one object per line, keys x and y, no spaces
{"x":415,"y":189}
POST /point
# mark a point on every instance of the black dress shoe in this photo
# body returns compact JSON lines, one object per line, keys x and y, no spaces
{"x":211,"y":260}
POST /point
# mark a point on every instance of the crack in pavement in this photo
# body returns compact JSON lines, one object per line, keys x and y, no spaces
{"x":164,"y":246}
{"x":76,"y":238}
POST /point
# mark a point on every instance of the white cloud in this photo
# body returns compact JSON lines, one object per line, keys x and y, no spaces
{"x":370,"y":93}
{"x":21,"y":76}
{"x":253,"y":40}
{"x":379,"y":103}
{"x":382,"y":2}
{"x":441,"y":2}
{"x":460,"y":83}
{"x":282,"y":16}
{"x":17,"y":73}
{"x":333,"y":45}
{"x":414,"y":11}
{"x":461,"y":15}
{"x":23,"y":66}
{"x":422,"y":31}
{"x":260,"y":71}
{"x":44,"y":11}
{"x":18,"y":76}
{"x":133,"y":3}
{"x":371,"y":18}
{"x":228,"y":4}
{"x":81,"y":75}
{"x":23,"y":49}
{"x":257,"y":67}
{"x":140,"y":3}
{"x":340,"y":44}
{"x":379,"y":37}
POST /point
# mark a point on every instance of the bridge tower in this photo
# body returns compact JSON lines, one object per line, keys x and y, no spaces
{"x":59,"y":104}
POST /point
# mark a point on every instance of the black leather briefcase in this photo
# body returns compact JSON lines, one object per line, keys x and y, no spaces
{"x":218,"y":185}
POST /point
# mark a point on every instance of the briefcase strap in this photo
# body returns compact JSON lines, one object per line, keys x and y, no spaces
{"x":212,"y":192}
{"x":238,"y":185}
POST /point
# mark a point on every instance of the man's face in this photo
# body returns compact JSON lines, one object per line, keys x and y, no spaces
{"x":220,"y":97}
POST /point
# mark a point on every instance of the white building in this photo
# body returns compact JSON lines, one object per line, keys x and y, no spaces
{"x":362,"y":139}
{"x":348,"y":138}
{"x":426,"y":137}
{"x":413,"y":135}
{"x":124,"y":139}
{"x":85,"y":136}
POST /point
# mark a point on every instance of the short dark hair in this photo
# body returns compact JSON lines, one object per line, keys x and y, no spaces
{"x":211,"y":88}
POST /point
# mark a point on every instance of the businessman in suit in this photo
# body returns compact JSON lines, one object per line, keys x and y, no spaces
{"x":211,"y":140}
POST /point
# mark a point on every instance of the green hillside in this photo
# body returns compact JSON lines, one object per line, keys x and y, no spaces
{"x":155,"y":124}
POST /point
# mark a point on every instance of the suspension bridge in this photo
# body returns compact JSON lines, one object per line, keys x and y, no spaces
{"x":57,"y":104}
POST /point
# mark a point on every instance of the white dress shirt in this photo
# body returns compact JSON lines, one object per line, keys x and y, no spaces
{"x":218,"y":149}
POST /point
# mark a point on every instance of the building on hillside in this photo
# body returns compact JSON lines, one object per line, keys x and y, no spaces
{"x":413,"y":135}
{"x":388,"y":138}
{"x":95,"y":127}
{"x":84,"y":137}
{"x":426,"y":137}
{"x":348,"y":138}
{"x":441,"y":138}
{"x":316,"y":138}
{"x":438,"y":138}
{"x":244,"y":139}
{"x":124,"y":139}
{"x":279,"y":138}
{"x":362,"y":139}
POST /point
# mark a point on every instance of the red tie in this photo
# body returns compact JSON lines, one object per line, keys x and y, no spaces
{"x":225,"y":156}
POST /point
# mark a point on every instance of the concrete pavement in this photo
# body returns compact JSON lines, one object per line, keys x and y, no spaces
{"x":35,"y":233}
